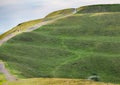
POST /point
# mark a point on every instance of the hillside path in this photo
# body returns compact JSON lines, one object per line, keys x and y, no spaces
{"x":3,"y":70}
{"x":49,"y":21}
{"x":7,"y":38}
{"x":35,"y":27}
{"x":8,"y":76}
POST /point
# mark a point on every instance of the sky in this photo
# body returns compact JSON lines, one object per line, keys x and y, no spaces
{"x":13,"y":12}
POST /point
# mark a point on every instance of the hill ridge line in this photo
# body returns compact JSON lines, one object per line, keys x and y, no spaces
{"x":35,"y":27}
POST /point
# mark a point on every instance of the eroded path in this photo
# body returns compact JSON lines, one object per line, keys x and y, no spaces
{"x":6,"y":38}
{"x":9,"y":77}
{"x":35,"y":27}
{"x":3,"y":70}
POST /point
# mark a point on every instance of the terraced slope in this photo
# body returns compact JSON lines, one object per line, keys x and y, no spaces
{"x":73,"y":47}
{"x":99,"y":8}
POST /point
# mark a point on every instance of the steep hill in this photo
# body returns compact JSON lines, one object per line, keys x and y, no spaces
{"x":72,"y":47}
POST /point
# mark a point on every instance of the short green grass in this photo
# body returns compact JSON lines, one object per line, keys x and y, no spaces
{"x":72,"y":47}
{"x":99,"y":8}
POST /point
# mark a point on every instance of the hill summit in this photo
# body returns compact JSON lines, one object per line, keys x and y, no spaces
{"x":99,"y":8}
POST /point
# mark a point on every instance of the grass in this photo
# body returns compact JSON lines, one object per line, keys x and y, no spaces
{"x":99,"y":8}
{"x":20,"y":28}
{"x":2,"y":79}
{"x":59,"y":13}
{"x":55,"y":81}
{"x":73,"y":47}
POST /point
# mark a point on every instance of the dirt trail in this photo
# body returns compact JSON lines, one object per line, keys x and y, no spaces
{"x":6,"y":38}
{"x":28,"y":30}
{"x":3,"y":70}
{"x":8,"y":76}
{"x":39,"y":25}
{"x":48,"y":22}
{"x":35,"y":27}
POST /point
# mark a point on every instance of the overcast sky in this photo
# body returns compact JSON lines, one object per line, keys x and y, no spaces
{"x":13,"y":12}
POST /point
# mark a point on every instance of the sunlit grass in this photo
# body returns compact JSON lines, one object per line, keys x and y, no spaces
{"x":59,"y":13}
{"x":2,"y":79}
{"x":20,"y":28}
{"x":55,"y":81}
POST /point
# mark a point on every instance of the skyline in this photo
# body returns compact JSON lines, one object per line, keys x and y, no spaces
{"x":14,"y":12}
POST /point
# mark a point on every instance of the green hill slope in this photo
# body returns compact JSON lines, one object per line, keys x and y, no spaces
{"x":72,"y":47}
{"x":20,"y":28}
{"x":99,"y":8}
{"x":59,"y":13}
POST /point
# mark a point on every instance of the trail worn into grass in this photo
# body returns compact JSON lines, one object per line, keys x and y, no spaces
{"x":6,"y":38}
{"x":35,"y":27}
{"x":7,"y":74}
{"x":49,"y":21}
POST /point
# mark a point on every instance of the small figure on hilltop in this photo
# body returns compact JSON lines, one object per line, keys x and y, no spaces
{"x":94,"y":77}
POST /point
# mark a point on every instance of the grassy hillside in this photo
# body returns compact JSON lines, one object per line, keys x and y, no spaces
{"x":21,"y":27}
{"x":59,"y":13}
{"x":53,"y":81}
{"x":90,"y":44}
{"x":72,"y":47}
{"x":99,"y":8}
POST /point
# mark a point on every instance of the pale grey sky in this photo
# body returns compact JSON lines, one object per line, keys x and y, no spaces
{"x":13,"y":12}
